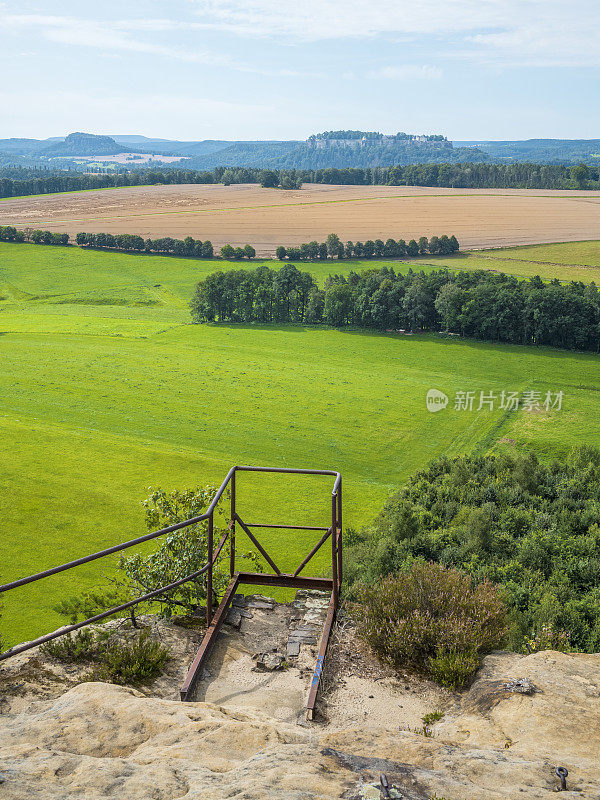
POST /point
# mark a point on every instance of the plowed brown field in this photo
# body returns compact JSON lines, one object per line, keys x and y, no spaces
{"x":265,"y":218}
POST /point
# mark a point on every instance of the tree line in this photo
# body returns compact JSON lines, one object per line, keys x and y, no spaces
{"x":137,"y":244}
{"x":478,"y":305}
{"x":10,"y":234}
{"x":335,"y":248}
{"x":25,"y":182}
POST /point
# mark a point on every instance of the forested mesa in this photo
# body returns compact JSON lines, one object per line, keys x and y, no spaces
{"x":19,"y":181}
{"x":479,"y":305}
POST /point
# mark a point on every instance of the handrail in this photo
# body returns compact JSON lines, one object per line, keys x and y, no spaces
{"x":13,"y":651}
{"x":207,"y":515}
{"x":123,"y":546}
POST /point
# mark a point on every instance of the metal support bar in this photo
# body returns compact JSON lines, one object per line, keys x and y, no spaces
{"x":286,"y":581}
{"x":209,"y":582}
{"x":209,"y":639}
{"x":311,"y":700}
{"x":339,"y":526}
{"x":319,"y":544}
{"x":334,"y":556}
{"x":289,"y":527}
{"x":258,"y":545}
{"x":111,"y":611}
{"x":232,"y":524}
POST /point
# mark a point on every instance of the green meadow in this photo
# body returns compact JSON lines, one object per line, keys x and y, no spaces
{"x":106,"y":389}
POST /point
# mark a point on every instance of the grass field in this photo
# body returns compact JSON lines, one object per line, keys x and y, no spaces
{"x":106,"y":389}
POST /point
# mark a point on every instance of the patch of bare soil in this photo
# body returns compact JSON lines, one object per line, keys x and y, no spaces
{"x":359,"y":690}
{"x":266,"y":218}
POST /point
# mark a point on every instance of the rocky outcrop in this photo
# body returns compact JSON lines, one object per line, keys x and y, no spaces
{"x":503,"y":738}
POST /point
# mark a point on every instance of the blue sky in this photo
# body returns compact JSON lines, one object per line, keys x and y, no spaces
{"x":275,"y":69}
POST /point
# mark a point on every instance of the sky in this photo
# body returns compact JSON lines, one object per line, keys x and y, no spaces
{"x":282,"y":69}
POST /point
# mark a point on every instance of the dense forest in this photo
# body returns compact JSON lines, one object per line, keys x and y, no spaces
{"x":479,"y":305}
{"x":532,"y":528}
{"x":20,"y":181}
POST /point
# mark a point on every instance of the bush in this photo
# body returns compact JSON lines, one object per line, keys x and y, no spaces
{"x":549,"y":638}
{"x":114,"y":660}
{"x":132,"y":663}
{"x":431,"y":620}
{"x":81,"y":646}
{"x":531,"y":528}
{"x":454,"y":670}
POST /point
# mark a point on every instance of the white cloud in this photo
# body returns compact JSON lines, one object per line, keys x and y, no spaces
{"x":406,"y":72}
{"x":112,"y":37}
{"x":541,"y":32}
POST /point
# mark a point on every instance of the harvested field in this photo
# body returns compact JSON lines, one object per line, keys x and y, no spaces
{"x":265,"y":218}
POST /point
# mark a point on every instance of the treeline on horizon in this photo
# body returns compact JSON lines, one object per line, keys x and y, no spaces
{"x":478,"y":305}
{"x":121,"y":241}
{"x":335,"y":248}
{"x":17,"y":182}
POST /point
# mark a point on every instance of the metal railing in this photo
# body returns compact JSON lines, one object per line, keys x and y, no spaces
{"x":279,"y":578}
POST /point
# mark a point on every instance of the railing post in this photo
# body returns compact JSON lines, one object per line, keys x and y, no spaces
{"x":339,"y":522}
{"x":334,"y":563}
{"x":232,"y":534}
{"x":209,"y":574}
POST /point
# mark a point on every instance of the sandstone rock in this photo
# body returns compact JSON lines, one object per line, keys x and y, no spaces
{"x":97,"y":741}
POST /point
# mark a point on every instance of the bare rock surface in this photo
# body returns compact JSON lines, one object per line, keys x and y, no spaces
{"x":61,"y":739}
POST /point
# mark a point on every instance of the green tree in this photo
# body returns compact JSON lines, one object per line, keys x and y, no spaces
{"x":333,"y":245}
{"x":338,"y":304}
{"x":448,"y":305}
{"x":181,"y":552}
{"x":249,"y":251}
{"x":281,"y":252}
{"x":227,"y":252}
{"x":580,"y":175}
{"x":268,"y":179}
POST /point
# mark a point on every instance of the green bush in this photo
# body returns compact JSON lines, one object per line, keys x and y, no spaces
{"x":454,"y":670}
{"x":81,"y":646}
{"x":529,"y":527}
{"x":132,"y":663}
{"x":431,"y":620}
{"x":548,"y":638}
{"x":112,"y":658}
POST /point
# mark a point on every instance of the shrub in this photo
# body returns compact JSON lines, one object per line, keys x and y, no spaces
{"x":532,"y":528}
{"x":131,"y":663}
{"x":81,"y":646}
{"x":432,"y":620}
{"x":114,"y":660}
{"x":454,"y":670}
{"x":549,"y":638}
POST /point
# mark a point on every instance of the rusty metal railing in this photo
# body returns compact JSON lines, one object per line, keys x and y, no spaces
{"x":278,"y":578}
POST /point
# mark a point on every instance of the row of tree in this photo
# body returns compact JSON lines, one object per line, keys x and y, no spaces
{"x":335,"y":248}
{"x":10,"y":234}
{"x":22,"y":182}
{"x":137,"y":244}
{"x":480,"y":305}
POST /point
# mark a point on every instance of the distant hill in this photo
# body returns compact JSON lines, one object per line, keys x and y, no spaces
{"x":373,"y":149}
{"x":540,"y":151}
{"x":338,"y":149}
{"x":85,"y":144}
